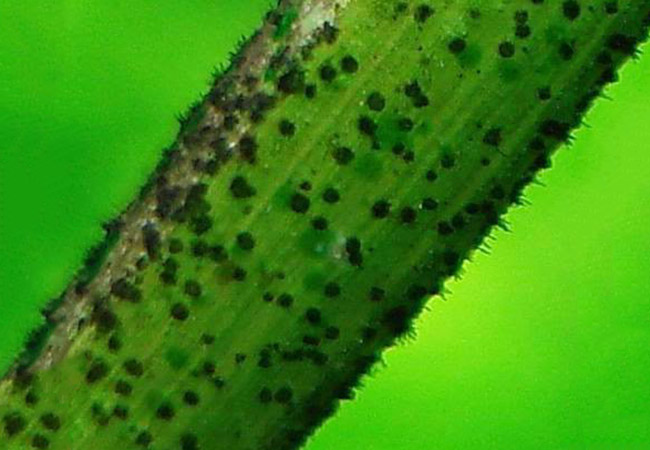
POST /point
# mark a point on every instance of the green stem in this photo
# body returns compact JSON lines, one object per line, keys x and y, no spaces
{"x":345,"y":166}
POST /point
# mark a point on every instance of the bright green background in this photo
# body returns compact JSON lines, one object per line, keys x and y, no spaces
{"x":545,"y":344}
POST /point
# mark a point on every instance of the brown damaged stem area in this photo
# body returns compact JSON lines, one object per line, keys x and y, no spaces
{"x":74,"y":312}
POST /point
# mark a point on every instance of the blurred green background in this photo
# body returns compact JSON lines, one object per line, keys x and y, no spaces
{"x":544,"y":344}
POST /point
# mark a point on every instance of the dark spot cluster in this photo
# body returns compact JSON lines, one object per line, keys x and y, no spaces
{"x":522,"y":29}
{"x":125,"y":290}
{"x":151,"y":240}
{"x":422,"y":13}
{"x":367,"y":126}
{"x":169,"y":273}
{"x":416,"y":94}
{"x":14,"y":423}
{"x":292,"y":81}
{"x":98,"y":370}
{"x":353,"y":249}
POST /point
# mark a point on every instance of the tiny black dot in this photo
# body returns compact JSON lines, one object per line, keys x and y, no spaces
{"x":299,"y":203}
{"x":422,"y":13}
{"x":506,"y":49}
{"x":343,"y":155}
{"x":544,"y":93}
{"x":332,"y":333}
{"x":287,"y":128}
{"x":191,"y":398}
{"x":349,"y":64}
{"x":398,"y":148}
{"x":51,"y":421}
{"x":189,"y":441}
{"x":305,"y":186}
{"x":566,"y":51}
{"x":207,"y":339}
{"x":611,"y":7}
{"x":283,"y":395}
{"x":429,"y":204}
{"x":123,"y":388}
{"x":245,"y":241}
{"x":405,"y":124}
{"x":327,"y":73}
{"x":240,"y":188}
{"x":121,"y":412}
{"x":179,"y":311}
{"x":143,"y":439}
{"x":407,"y":215}
{"x":444,"y":228}
{"x":376,"y":294}
{"x":522,"y":31}
{"x":332,"y":289}
{"x":571,"y":9}
{"x":457,"y":45}
{"x":376,"y":101}
{"x":133,"y":367}
{"x":40,"y":441}
{"x":447,"y":161}
{"x":175,"y":245}
{"x":266,"y":395}
{"x":313,"y":316}
{"x":310,"y":91}
{"x":239,"y":274}
{"x":319,"y":223}
{"x":492,"y":137}
{"x":331,"y":195}
{"x":165,"y":411}
{"x":381,"y":209}
{"x":200,"y":248}
{"x":193,"y":288}
{"x":367,"y":126}
{"x":285,"y":300}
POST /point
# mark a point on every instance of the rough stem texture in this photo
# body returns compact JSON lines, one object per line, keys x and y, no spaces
{"x":341,"y":170}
